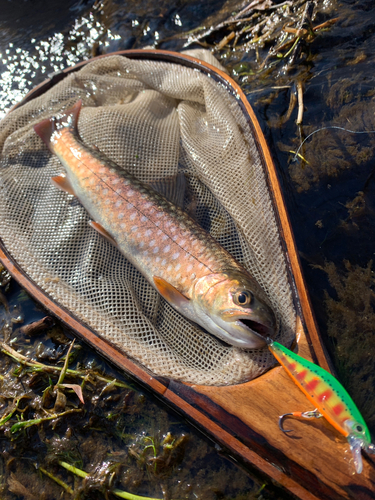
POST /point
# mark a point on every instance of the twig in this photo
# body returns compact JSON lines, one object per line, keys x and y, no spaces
{"x":292,"y":104}
{"x":37,"y":326}
{"x":231,"y":20}
{"x":300,"y":102}
{"x":304,"y":24}
{"x":225,"y":40}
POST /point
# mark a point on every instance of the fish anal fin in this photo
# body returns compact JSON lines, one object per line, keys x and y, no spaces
{"x":103,"y":232}
{"x":171,"y":294}
{"x":62,"y":182}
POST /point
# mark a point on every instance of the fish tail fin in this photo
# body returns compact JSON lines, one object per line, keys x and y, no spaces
{"x":67,"y":119}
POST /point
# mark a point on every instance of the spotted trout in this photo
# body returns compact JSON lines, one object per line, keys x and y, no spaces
{"x":189,"y":268}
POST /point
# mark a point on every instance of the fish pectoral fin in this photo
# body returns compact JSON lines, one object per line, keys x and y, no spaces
{"x":62,"y":182}
{"x":171,"y":294}
{"x":103,"y":232}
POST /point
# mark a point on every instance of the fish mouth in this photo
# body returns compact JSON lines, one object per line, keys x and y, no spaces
{"x":260,"y":330}
{"x":255,"y":326}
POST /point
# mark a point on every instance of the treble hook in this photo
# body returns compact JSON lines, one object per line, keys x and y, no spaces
{"x":298,"y":414}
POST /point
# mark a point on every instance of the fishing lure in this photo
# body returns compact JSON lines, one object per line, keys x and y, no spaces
{"x":330,"y":399}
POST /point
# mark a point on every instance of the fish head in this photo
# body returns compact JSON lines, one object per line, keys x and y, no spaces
{"x":233,"y":307}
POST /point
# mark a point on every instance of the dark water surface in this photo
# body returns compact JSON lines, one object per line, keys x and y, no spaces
{"x":329,"y":190}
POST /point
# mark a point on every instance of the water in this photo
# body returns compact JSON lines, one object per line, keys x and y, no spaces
{"x":329,"y":193}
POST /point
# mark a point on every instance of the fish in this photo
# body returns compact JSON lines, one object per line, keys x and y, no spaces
{"x":188,"y":267}
{"x":330,"y":399}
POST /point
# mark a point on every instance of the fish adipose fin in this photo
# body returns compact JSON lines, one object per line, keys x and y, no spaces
{"x":62,"y":182}
{"x":103,"y":232}
{"x":47,"y":128}
{"x":171,"y":294}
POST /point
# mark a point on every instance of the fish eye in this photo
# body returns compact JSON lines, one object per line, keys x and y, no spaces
{"x":242,"y":298}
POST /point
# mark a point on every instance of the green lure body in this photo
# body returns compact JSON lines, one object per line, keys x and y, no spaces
{"x":329,"y":397}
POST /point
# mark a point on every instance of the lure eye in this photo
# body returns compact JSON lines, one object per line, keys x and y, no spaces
{"x":359,"y":428}
{"x":243,"y":298}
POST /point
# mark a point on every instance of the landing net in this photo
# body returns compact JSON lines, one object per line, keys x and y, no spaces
{"x":154,"y":119}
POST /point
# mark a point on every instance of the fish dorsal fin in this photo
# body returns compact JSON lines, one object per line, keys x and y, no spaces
{"x":172,"y":188}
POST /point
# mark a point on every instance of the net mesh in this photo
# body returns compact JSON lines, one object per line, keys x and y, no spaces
{"x":154,"y":119}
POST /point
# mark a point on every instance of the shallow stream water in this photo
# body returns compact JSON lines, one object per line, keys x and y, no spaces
{"x":329,"y":190}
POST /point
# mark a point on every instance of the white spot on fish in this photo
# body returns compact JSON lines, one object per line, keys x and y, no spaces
{"x":123,"y":225}
{"x":133,"y":216}
{"x":76,"y":152}
{"x":167,"y":248}
{"x":178,"y":276}
{"x":177,"y":268}
{"x":189,"y":267}
{"x":193,"y":276}
{"x":107,"y":201}
{"x":129,"y":206}
{"x":157,"y":259}
{"x":148,"y":232}
{"x":163,"y":262}
{"x":118,"y":203}
{"x":105,"y":191}
{"x":156,"y":249}
{"x":141,"y":244}
{"x":182,"y":242}
{"x":157,"y":223}
{"x":159,"y":214}
{"x":130,"y":192}
{"x":145,"y":252}
{"x":169,"y":268}
{"x":91,"y":182}
{"x":134,"y":229}
{"x":102,"y":170}
{"x":175,"y":255}
{"x":148,"y":205}
{"x":183,"y":279}
{"x":165,"y":237}
{"x":152,"y":243}
{"x":115,"y":181}
{"x":159,"y":232}
{"x":143,"y":218}
{"x":120,"y":216}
